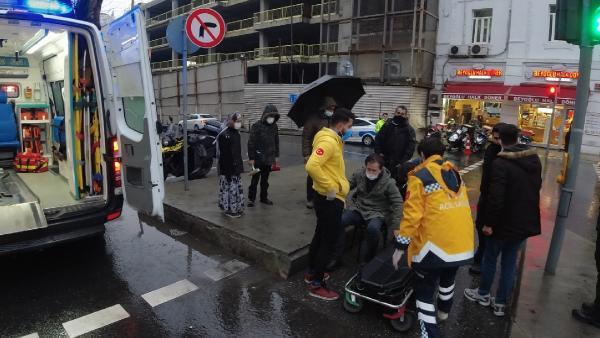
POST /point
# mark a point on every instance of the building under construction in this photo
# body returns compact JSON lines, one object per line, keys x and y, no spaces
{"x":390,"y":44}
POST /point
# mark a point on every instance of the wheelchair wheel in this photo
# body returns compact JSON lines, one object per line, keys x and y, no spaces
{"x":352,"y":303}
{"x":404,"y":323}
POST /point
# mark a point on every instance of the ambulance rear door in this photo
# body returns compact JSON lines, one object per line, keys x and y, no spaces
{"x":127,"y":50}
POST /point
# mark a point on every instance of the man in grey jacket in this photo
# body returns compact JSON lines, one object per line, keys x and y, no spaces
{"x":375,"y":199}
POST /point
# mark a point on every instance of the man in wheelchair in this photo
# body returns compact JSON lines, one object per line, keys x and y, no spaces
{"x":375,"y":202}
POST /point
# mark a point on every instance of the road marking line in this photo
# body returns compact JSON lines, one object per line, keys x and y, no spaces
{"x":32,"y":335}
{"x":471,"y":167}
{"x":225,"y":270}
{"x":95,"y":320}
{"x":169,"y":292}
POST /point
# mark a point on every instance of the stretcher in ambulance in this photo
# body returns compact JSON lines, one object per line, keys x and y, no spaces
{"x":77,"y":127}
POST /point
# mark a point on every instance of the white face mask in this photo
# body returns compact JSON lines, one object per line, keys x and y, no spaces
{"x":328,"y":113}
{"x":371,"y":176}
{"x":237,"y":125}
{"x":270,"y":120}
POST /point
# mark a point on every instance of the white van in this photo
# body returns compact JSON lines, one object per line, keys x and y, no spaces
{"x":82,"y":100}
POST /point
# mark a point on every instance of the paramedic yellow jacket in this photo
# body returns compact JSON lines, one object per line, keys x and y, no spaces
{"x":437,"y":226}
{"x":326,"y":164}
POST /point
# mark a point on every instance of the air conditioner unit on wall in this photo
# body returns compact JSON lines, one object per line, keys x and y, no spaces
{"x":435,"y":98}
{"x":459,"y":51}
{"x":478,"y":51}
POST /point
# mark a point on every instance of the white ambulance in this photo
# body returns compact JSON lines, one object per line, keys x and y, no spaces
{"x":77,"y":125}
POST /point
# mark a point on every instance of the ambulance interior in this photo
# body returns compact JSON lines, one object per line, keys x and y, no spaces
{"x":51,"y":134}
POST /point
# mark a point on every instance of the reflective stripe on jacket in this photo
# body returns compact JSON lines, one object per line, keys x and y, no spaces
{"x":437,"y":226}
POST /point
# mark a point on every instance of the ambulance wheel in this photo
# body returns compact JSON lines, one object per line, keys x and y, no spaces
{"x":352,"y":306}
{"x":404,"y":323}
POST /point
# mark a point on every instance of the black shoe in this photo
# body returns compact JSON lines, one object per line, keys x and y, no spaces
{"x":267,"y":202}
{"x":475,"y":269}
{"x":585,"y":317}
{"x":250,"y":204}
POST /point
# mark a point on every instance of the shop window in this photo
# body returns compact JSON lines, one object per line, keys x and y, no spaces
{"x":482,"y":26}
{"x":11,"y":89}
{"x":552,"y":26}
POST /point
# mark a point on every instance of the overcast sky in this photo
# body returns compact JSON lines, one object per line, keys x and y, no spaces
{"x":118,"y":7}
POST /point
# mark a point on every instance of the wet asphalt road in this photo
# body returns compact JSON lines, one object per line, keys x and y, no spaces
{"x":44,"y":289}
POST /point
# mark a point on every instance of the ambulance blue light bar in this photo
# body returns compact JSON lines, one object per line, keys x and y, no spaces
{"x":39,"y":6}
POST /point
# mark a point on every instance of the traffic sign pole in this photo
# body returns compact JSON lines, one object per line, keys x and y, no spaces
{"x":582,"y":95}
{"x":184,"y":110}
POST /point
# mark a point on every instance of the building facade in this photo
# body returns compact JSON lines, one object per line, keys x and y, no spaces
{"x":385,"y":42}
{"x":496,"y":61}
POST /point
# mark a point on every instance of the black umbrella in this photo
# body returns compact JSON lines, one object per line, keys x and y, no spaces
{"x":345,"y":90}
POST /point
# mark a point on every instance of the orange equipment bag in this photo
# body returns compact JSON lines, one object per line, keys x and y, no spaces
{"x":30,"y":163}
{"x":41,"y":114}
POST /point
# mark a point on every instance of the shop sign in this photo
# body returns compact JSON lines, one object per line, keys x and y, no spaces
{"x":555,"y":74}
{"x":538,"y":99}
{"x":485,"y":97}
{"x":471,"y":72}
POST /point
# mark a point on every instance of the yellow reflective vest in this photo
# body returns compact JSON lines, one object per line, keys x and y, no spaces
{"x":437,"y":226}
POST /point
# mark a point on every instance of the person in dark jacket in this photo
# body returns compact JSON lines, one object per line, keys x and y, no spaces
{"x":491,"y":152}
{"x":590,"y":312}
{"x":311,"y":127}
{"x":375,"y":198}
{"x":396,"y":141}
{"x":512,"y":215}
{"x":263,"y":152}
{"x":231,"y":167}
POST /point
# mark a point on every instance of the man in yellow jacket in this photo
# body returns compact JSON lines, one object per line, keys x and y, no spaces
{"x":437,"y":230}
{"x":327,"y":169}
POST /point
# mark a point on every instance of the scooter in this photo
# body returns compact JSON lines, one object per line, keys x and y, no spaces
{"x":458,"y":137}
{"x":479,"y":140}
{"x":526,"y":137}
{"x":201,"y":152}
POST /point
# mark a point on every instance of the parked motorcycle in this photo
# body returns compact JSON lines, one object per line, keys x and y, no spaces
{"x":479,"y":140}
{"x":526,"y":137}
{"x":201,"y":152}
{"x":458,"y":137}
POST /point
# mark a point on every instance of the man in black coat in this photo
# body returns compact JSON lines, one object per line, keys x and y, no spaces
{"x":590,"y":312}
{"x":396,"y":141}
{"x":263,"y":152}
{"x":491,"y":152}
{"x":512,"y":215}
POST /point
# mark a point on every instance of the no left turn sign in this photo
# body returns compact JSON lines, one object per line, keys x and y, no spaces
{"x":205,"y":27}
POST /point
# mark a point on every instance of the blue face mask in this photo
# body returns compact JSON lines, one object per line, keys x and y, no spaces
{"x":347,"y":135}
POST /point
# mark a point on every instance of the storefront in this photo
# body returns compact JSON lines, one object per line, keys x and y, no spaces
{"x":478,"y":95}
{"x":475,"y":94}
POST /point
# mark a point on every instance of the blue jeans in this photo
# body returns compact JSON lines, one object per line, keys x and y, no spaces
{"x":370,"y":241}
{"x":509,"y":250}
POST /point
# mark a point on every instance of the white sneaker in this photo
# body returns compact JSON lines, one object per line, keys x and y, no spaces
{"x":474,"y":296}
{"x":499,"y":309}
{"x":442,"y":316}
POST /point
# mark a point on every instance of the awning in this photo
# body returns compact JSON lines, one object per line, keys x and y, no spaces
{"x":475,"y":91}
{"x":538,"y":94}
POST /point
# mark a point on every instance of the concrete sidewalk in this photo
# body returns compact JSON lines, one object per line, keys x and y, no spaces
{"x":544,"y":304}
{"x":275,"y":236}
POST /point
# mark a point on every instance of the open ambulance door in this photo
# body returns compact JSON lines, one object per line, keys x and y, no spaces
{"x":127,"y":50}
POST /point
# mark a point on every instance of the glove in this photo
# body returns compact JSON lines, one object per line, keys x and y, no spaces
{"x":331,"y":195}
{"x":396,"y":257}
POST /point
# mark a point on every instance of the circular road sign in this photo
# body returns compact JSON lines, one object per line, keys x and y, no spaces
{"x":175,"y":36}
{"x":205,"y":27}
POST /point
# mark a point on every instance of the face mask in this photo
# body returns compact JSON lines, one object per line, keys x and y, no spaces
{"x":371,"y":176}
{"x":346,"y":135}
{"x":328,"y":113}
{"x":399,"y":119}
{"x":270,"y":120}
{"x":237,"y":125}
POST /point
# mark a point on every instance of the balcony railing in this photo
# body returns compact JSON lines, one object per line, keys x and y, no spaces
{"x":297,"y":50}
{"x":155,"y":20}
{"x":158,"y":42}
{"x":203,"y":60}
{"x":277,"y":14}
{"x":328,"y":7}
{"x":240,"y":25}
